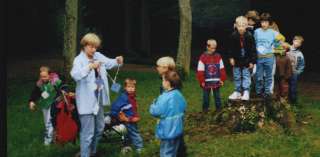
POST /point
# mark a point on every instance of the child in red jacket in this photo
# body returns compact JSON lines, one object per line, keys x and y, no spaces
{"x":211,"y":74}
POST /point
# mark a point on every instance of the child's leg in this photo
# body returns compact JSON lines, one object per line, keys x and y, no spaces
{"x":259,"y":76}
{"x":268,"y":67}
{"x":48,"y":125}
{"x":237,"y":78}
{"x":217,"y":98}
{"x":246,"y":79}
{"x":273,"y":73}
{"x":293,"y":88}
{"x":169,"y":148}
{"x":205,"y":99}
{"x":134,"y":135}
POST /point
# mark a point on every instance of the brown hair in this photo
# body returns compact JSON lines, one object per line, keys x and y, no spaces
{"x":266,"y":17}
{"x":130,"y":81}
{"x":298,"y":37}
{"x":174,"y":79}
{"x":253,"y":14}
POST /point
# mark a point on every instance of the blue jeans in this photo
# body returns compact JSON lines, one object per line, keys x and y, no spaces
{"x":134,"y":135}
{"x":264,"y":66}
{"x":293,"y":82}
{"x":206,"y":99}
{"x":91,"y":131}
{"x":242,"y":78}
{"x":169,"y":148}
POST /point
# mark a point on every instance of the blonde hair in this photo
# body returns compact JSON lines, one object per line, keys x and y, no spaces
{"x":212,"y":41}
{"x":274,"y":26}
{"x":298,"y":37}
{"x":167,"y":62}
{"x":90,"y":39}
{"x":240,"y":20}
{"x":44,"y":69}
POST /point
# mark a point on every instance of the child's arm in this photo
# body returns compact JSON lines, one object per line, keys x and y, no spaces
{"x":78,"y":72}
{"x":35,"y":95}
{"x":157,"y":108}
{"x":200,"y":73}
{"x":223,"y":75}
{"x":300,"y":63}
{"x":252,"y":51}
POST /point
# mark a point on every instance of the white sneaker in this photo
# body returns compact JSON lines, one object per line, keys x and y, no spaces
{"x":245,"y":96}
{"x":235,"y":95}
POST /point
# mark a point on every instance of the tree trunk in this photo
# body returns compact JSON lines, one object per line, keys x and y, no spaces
{"x":184,"y":49}
{"x":145,"y":28}
{"x":70,"y":36}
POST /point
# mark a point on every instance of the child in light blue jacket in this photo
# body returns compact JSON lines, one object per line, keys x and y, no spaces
{"x":169,"y":107}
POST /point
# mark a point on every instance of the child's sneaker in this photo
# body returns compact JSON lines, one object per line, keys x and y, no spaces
{"x":235,"y":95}
{"x":245,"y":96}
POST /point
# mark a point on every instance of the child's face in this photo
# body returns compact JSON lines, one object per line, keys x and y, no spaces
{"x":165,"y":84}
{"x":90,"y":50}
{"x":44,"y":76}
{"x":296,"y":43}
{"x":265,"y":25}
{"x":211,"y":47}
{"x":130,"y":88}
{"x":241,"y":27}
{"x":251,"y":22}
{"x":162,"y":69}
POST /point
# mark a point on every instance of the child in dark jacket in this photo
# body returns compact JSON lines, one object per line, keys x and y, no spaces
{"x":44,"y":94}
{"x":242,"y":58}
{"x":211,"y":74}
{"x":125,"y":108}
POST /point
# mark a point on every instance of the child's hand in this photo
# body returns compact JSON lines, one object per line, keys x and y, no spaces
{"x":119,"y":59}
{"x":250,"y":65}
{"x":232,"y":61}
{"x":221,"y":83}
{"x":71,"y":94}
{"x":202,"y":85}
{"x":32,"y":106}
{"x":94,"y":65}
{"x":123,"y":117}
{"x":135,"y":119}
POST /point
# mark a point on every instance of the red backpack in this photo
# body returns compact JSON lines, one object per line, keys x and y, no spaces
{"x":65,"y":120}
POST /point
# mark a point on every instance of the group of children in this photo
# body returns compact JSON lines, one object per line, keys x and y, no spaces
{"x":259,"y":51}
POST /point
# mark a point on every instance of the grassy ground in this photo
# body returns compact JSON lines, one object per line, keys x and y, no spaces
{"x":25,"y":128}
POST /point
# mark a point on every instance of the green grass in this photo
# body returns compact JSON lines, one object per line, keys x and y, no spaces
{"x":25,"y":128}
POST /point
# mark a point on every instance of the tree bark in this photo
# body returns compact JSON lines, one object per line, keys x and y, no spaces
{"x":184,"y":49}
{"x":70,"y":37}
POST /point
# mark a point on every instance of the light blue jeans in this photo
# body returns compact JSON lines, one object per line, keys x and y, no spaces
{"x":264,"y":65}
{"x":91,"y":131}
{"x":169,"y":148}
{"x":242,"y":78}
{"x":134,"y":135}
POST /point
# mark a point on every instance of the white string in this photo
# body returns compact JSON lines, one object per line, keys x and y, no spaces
{"x":115,"y":77}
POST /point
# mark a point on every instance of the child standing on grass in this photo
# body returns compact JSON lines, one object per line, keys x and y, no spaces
{"x":211,"y":74}
{"x":125,"y":108}
{"x":298,"y":65}
{"x":44,"y":93}
{"x":169,"y":107}
{"x":242,"y":58}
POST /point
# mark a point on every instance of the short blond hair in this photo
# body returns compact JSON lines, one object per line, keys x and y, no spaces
{"x":298,"y":37}
{"x":241,"y":20}
{"x":167,"y":61}
{"x":44,"y":69}
{"x":213,"y":41}
{"x":90,"y":39}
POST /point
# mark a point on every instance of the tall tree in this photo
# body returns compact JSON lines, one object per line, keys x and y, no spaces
{"x":70,"y":36}
{"x":184,"y":49}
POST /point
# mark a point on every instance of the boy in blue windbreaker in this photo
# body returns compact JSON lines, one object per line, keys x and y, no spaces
{"x":169,"y":107}
{"x":125,"y":109}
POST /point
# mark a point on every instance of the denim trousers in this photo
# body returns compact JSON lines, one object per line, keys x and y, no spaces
{"x":169,"y":148}
{"x":293,"y":91}
{"x":241,"y":78}
{"x":264,"y":66}
{"x":134,"y":135}
{"x":206,"y":98}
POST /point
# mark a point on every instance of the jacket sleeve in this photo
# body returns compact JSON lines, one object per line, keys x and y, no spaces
{"x":157,"y":108}
{"x":116,"y":107}
{"x":78,"y":72}
{"x":200,"y":71}
{"x":107,"y":62}
{"x":231,"y":50}
{"x":35,"y":94}
{"x":300,"y":63}
{"x":223,"y":75}
{"x":252,"y":50}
